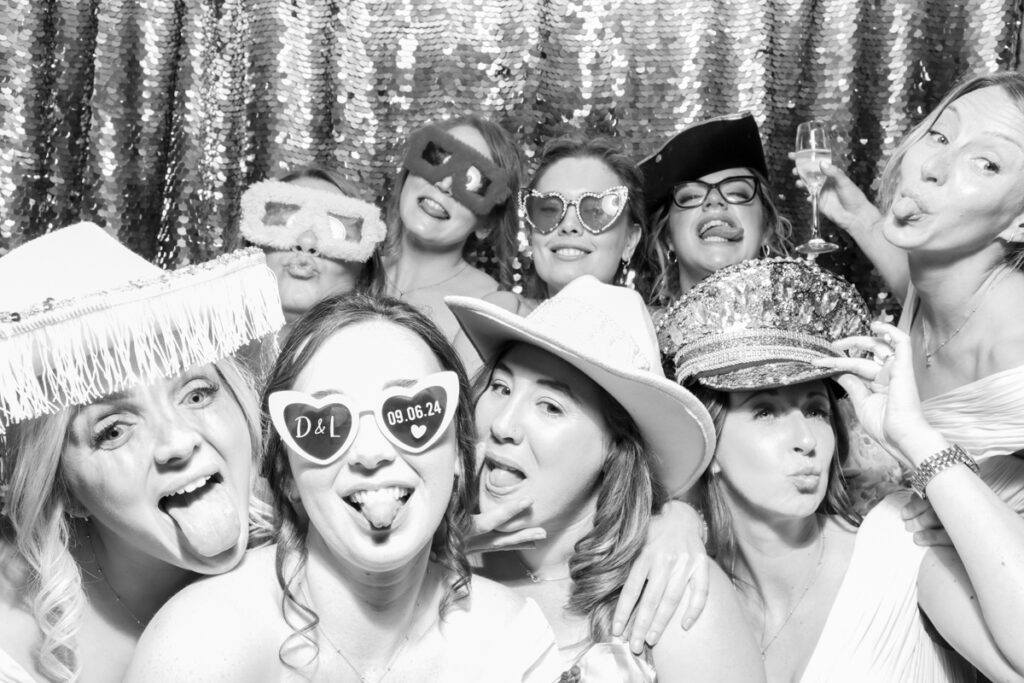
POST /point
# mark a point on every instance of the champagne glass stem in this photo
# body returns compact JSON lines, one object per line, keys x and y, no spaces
{"x":814,"y":215}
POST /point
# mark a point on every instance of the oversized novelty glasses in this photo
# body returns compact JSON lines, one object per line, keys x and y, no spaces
{"x":321,"y":429}
{"x":739,"y":189}
{"x":275,"y":214}
{"x":478,"y":183}
{"x":597,"y":212}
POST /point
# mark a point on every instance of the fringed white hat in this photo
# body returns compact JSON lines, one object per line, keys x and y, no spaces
{"x":82,"y":316}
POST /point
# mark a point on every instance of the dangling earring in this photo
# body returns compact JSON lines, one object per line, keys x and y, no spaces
{"x":766,"y":250}
{"x":628,"y":277}
{"x":522,"y":253}
{"x":672,"y":259}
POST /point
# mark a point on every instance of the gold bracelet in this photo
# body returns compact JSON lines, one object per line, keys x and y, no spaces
{"x":943,"y":460}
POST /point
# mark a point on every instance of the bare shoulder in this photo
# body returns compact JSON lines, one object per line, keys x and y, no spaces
{"x":493,"y":600}
{"x":222,"y":628}
{"x":1003,"y":346}
{"x":477,"y":283}
{"x":719,"y":646}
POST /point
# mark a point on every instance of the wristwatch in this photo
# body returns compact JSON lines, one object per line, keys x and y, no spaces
{"x":942,"y":460}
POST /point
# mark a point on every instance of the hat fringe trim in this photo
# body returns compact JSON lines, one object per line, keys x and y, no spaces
{"x":75,"y":354}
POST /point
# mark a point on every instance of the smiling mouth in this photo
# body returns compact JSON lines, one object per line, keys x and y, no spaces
{"x":380,"y":506}
{"x":501,"y":478}
{"x":569,"y":253}
{"x":717,"y":230}
{"x":205,"y":513}
{"x":433,"y":208}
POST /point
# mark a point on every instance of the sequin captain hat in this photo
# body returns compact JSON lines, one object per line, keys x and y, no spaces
{"x":82,"y":316}
{"x":759,"y":324}
{"x":730,"y":141}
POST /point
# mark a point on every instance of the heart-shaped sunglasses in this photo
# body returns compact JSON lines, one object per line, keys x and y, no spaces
{"x":321,"y":429}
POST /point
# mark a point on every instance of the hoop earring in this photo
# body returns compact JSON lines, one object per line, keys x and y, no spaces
{"x":766,"y":250}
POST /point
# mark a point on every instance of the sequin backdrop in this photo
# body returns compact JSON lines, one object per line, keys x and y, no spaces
{"x":151,"y":116}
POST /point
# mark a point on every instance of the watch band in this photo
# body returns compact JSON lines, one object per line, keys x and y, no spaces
{"x":943,"y":460}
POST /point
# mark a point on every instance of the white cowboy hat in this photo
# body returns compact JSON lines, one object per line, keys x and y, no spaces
{"x":82,"y":316}
{"x":606,"y":333}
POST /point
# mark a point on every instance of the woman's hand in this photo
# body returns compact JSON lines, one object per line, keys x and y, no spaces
{"x":671,"y":568}
{"x":920,"y":518}
{"x":514,"y":536}
{"x":882,"y":388}
{"x":842,"y":202}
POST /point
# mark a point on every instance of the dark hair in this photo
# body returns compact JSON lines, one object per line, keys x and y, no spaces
{"x":1011,"y":83}
{"x":777,"y":233}
{"x":350,"y":189}
{"x":576,"y":145}
{"x":501,"y":223}
{"x":721,"y":543}
{"x":311,"y":331}
{"x":627,"y":495}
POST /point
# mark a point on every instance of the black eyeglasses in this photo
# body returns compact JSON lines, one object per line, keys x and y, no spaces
{"x":739,"y":189}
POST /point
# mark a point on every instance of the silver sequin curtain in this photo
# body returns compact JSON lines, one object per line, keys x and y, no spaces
{"x":151,"y":116}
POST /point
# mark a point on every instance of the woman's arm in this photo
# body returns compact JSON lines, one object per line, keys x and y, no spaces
{"x":987,"y":535}
{"x":670,"y":575}
{"x":842,"y":202}
{"x":720,"y":646}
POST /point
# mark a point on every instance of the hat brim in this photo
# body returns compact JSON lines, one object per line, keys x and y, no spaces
{"x":759,"y":376}
{"x":676,"y":428}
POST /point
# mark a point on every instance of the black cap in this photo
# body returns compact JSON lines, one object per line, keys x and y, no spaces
{"x":729,"y":141}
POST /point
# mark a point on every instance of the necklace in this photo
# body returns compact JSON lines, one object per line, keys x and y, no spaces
{"x":803,"y":594}
{"x":537,"y":578}
{"x":99,"y":569}
{"x":403,"y":293}
{"x":362,"y":676}
{"x":978,"y":298}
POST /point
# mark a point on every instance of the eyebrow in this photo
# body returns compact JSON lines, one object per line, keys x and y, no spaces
{"x":545,"y":382}
{"x":560,"y":387}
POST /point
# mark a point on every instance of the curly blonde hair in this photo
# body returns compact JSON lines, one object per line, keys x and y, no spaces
{"x":39,"y":505}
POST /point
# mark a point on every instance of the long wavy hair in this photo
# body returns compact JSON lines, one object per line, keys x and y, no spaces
{"x":39,"y":504}
{"x":627,"y":494}
{"x":1011,"y":83}
{"x":576,"y":145}
{"x":320,"y":323}
{"x":721,"y":543}
{"x":498,"y":244}
{"x":778,"y":232}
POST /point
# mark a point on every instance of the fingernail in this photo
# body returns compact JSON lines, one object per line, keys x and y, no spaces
{"x":540,"y":535}
{"x":525,"y":503}
{"x":617,"y":628}
{"x":637,"y":646}
{"x":652,"y":638}
{"x":688,"y":623}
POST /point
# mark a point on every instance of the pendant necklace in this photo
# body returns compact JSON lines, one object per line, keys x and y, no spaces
{"x":103,"y":577}
{"x":978,"y":298}
{"x":401,"y":294}
{"x":362,"y":676}
{"x":537,"y":578}
{"x":796,"y":605}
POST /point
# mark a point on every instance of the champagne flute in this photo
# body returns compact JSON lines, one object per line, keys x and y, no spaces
{"x":812,"y":148}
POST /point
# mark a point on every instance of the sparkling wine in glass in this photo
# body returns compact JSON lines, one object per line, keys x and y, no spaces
{"x":813,"y":147}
